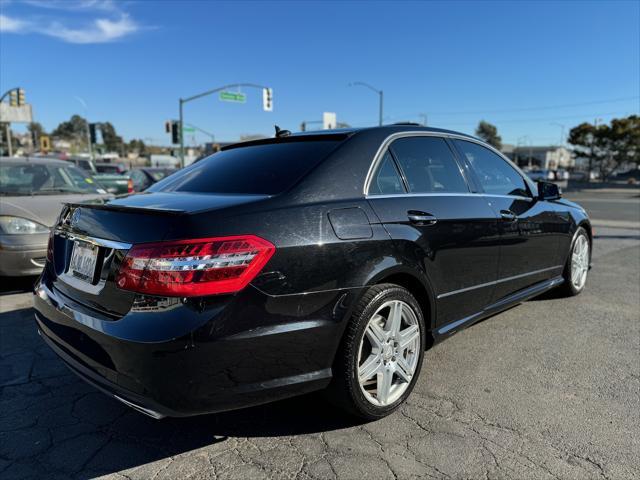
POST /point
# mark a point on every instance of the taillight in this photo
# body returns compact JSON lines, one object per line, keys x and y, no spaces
{"x":190,"y":268}
{"x":129,"y":186}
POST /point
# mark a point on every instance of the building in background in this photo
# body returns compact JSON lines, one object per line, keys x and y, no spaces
{"x":549,"y":157}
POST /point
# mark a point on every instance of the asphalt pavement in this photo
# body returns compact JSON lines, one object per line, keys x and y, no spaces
{"x":547,"y":390}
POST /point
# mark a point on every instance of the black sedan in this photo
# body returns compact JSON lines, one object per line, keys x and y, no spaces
{"x":317,"y":261}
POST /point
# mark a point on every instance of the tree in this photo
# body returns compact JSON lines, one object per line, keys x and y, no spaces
{"x":73,"y":130}
{"x":137,"y":146}
{"x":489,"y":133}
{"x":607,"y":146}
{"x":112,"y":142}
{"x":37,"y":131}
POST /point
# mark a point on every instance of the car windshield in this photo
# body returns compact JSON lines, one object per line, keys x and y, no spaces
{"x":265,"y":168}
{"x":44,"y":179}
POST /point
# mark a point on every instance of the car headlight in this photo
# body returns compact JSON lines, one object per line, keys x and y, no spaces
{"x":18,"y":225}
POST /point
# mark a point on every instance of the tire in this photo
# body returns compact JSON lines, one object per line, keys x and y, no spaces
{"x":577,"y":266}
{"x":387,"y":355}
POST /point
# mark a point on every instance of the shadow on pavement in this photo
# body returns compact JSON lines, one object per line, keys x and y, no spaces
{"x":13,"y":285}
{"x":53,"y":423}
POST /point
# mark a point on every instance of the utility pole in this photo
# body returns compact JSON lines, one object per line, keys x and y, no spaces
{"x":182,"y":101}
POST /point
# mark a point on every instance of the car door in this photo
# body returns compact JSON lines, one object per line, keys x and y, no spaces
{"x":529,"y":227}
{"x":421,"y":195}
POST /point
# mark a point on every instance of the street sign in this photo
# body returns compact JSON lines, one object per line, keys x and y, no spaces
{"x":189,"y":129}
{"x":328,"y":120}
{"x":233,"y":97}
{"x":16,"y":114}
{"x":267,"y":99}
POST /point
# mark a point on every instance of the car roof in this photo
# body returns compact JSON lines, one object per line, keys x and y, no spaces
{"x":344,"y":133}
{"x":34,"y":161}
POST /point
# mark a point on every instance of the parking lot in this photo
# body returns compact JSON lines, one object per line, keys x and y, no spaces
{"x":549,"y":389}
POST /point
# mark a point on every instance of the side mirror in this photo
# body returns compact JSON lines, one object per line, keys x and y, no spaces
{"x":548,"y":191}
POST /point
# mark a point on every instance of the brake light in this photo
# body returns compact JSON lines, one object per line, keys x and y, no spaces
{"x":129,"y":186}
{"x":191,"y":268}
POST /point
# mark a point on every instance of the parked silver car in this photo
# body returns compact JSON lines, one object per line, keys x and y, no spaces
{"x":32,"y":192}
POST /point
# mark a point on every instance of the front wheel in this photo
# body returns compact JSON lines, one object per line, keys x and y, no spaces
{"x":381,"y":354}
{"x":577,"y":268}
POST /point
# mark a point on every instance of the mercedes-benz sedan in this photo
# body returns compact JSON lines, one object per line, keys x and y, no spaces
{"x":317,"y":261}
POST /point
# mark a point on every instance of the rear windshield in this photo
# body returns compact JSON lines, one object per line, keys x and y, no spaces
{"x":256,"y":169}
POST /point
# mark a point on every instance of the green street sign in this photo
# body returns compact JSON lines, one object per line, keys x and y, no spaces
{"x":188,"y":129}
{"x":233,"y":97}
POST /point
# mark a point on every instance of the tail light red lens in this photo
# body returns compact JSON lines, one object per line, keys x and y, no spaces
{"x":191,"y":268}
{"x":129,"y":186}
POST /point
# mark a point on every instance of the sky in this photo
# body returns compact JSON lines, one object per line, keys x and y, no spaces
{"x":534,"y":69}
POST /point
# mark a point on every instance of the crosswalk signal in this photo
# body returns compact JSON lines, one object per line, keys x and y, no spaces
{"x":21,"y":97}
{"x":267,"y":99}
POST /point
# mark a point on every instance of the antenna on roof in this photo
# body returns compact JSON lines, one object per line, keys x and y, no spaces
{"x":281,"y":133}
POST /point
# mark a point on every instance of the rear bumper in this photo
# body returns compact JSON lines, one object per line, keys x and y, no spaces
{"x":235,"y":352}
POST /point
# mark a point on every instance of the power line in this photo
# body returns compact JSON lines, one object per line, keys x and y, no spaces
{"x":525,"y":109}
{"x":543,"y":119}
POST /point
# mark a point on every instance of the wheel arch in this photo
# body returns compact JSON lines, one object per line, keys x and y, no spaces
{"x":418,"y":287}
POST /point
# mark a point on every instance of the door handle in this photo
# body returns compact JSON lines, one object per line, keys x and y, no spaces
{"x":421,"y":218}
{"x":508,"y":215}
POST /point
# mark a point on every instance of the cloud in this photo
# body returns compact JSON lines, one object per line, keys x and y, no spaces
{"x":112,"y":25}
{"x":12,"y":25}
{"x":74,"y":5}
{"x":102,"y":30}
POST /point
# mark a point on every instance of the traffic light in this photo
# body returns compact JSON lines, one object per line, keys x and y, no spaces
{"x":21,"y":97}
{"x":13,"y":98}
{"x":173,"y":127}
{"x":175,"y":132}
{"x":92,"y":133}
{"x":267,"y":99}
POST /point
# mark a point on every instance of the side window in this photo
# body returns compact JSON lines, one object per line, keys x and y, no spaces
{"x":139,"y":178}
{"x":428,"y":165}
{"x":386,"y":181}
{"x":495,"y":175}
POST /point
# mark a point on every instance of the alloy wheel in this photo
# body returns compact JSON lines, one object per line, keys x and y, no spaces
{"x":580,"y":262}
{"x":389,"y":353}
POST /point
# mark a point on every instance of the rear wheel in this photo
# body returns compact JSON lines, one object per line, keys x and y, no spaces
{"x":577,"y":268}
{"x":381,"y":354}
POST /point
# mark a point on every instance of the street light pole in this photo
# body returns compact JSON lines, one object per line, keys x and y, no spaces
{"x":181,"y":133}
{"x":380,"y":97}
{"x":562,"y":127}
{"x":84,"y":106}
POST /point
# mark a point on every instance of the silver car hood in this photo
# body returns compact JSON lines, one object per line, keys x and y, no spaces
{"x":44,"y":209}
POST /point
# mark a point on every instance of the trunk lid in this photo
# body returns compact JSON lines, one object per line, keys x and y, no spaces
{"x":101,"y":235}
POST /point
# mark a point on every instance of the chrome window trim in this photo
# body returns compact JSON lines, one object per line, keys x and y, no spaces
{"x":417,"y":133}
{"x":100,"y":242}
{"x":443,"y":194}
{"x":495,"y":282}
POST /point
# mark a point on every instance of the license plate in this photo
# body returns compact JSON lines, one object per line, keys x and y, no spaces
{"x":83,"y":261}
